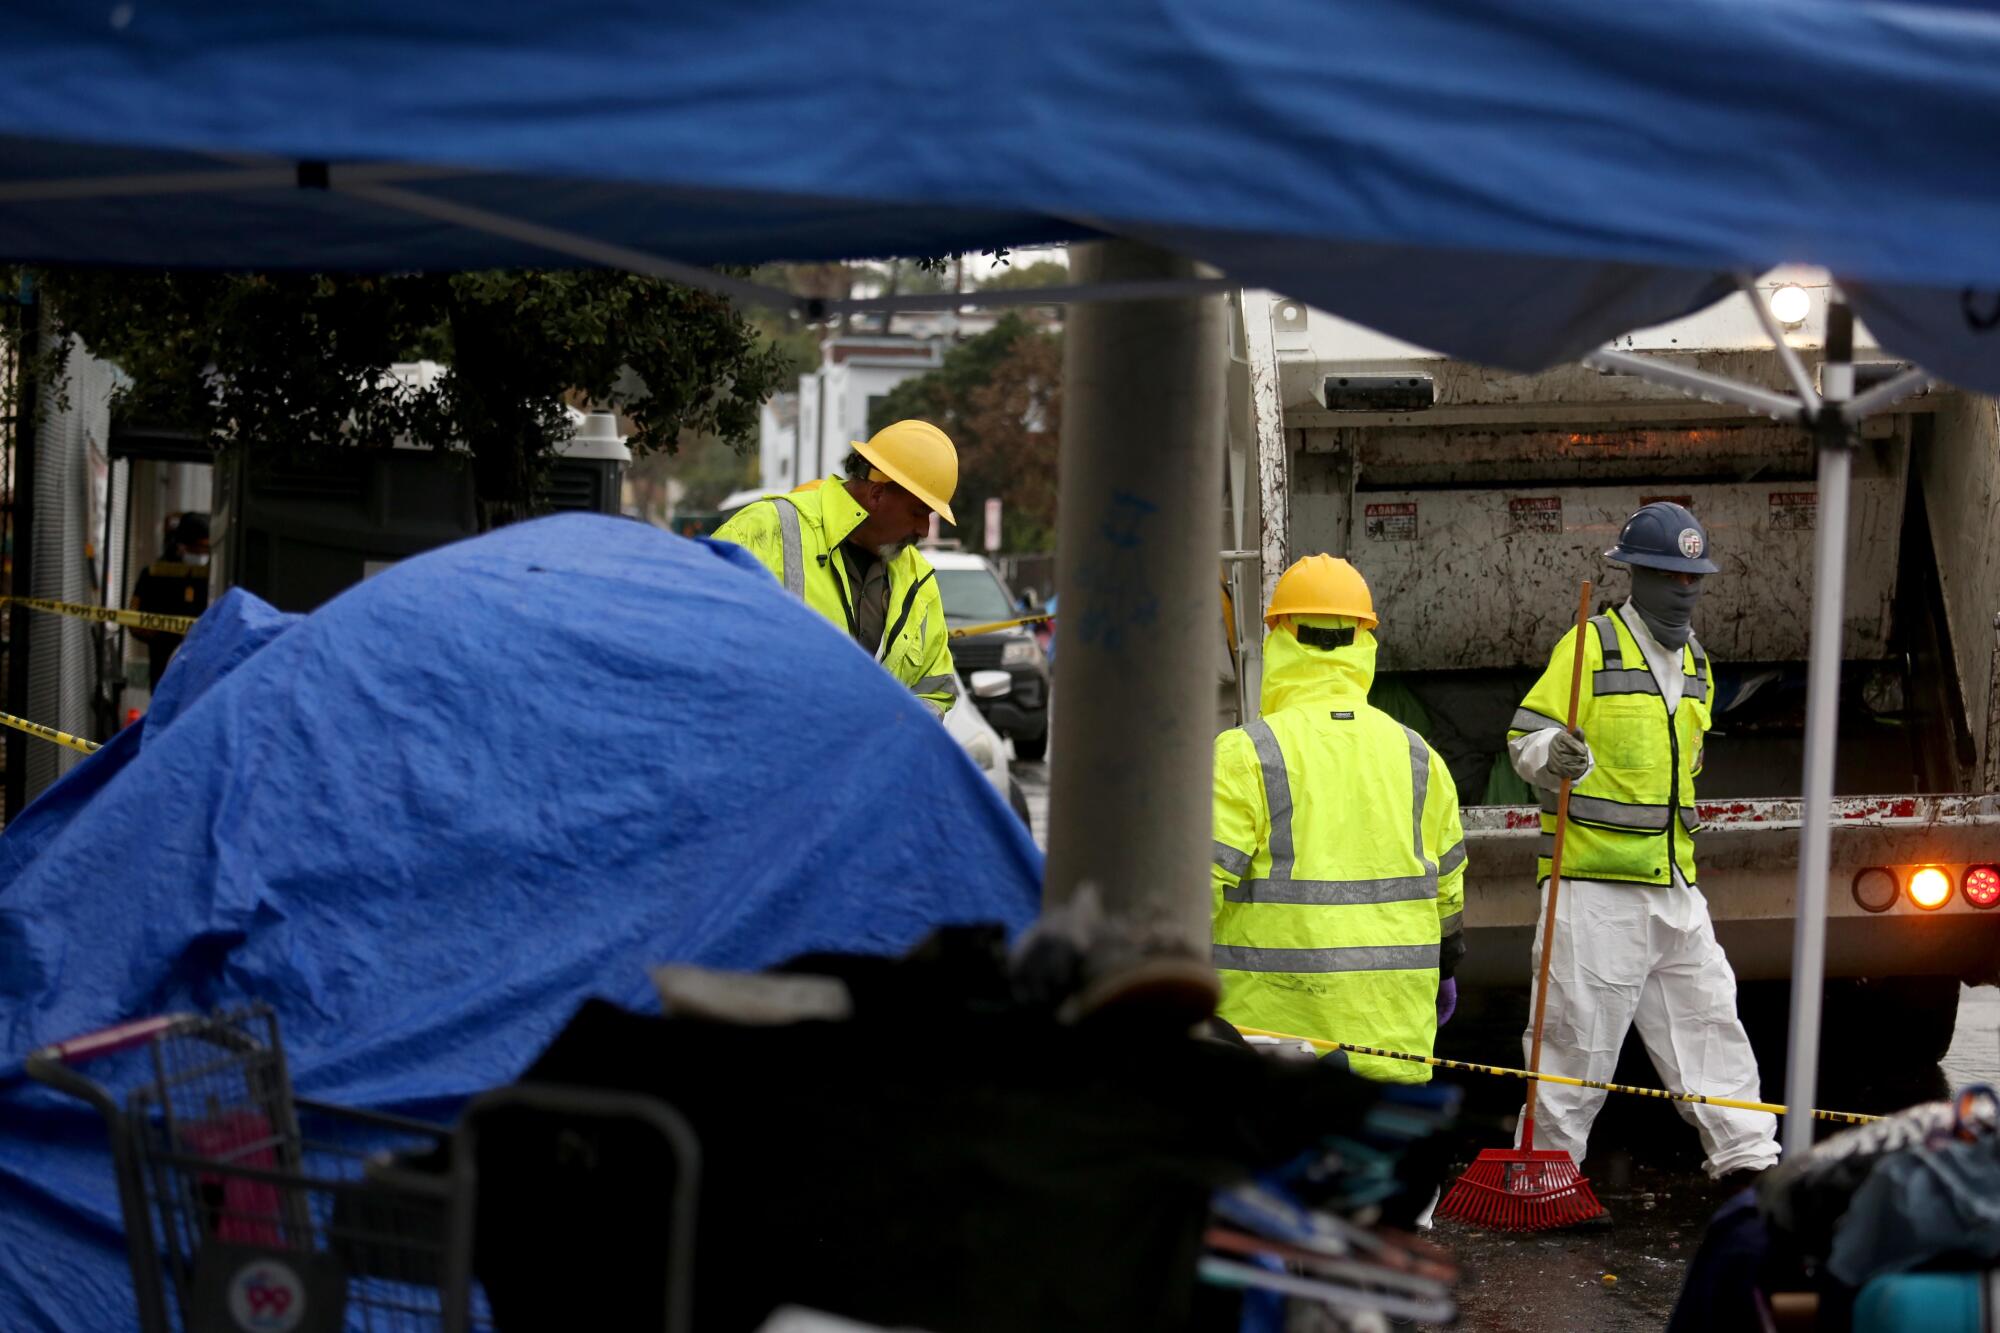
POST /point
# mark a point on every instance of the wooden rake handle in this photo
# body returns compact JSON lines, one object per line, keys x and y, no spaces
{"x":1555,"y":872}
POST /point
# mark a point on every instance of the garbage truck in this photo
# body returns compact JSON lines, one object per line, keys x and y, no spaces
{"x":1475,"y":500}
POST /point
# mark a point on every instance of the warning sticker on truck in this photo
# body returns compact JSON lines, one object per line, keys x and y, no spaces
{"x":1535,"y":513}
{"x":1794,"y":511}
{"x":1390,"y":522}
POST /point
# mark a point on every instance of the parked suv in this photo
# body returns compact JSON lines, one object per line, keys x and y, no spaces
{"x":975,"y":594}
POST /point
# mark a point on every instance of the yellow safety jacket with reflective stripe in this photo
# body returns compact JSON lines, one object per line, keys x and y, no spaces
{"x":798,"y":537}
{"x":1339,"y":869}
{"x":1632,"y":817}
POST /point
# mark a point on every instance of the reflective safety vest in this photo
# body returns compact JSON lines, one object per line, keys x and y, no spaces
{"x":1339,"y":868}
{"x":798,"y":537}
{"x":1632,"y":817}
{"x":170,"y":588}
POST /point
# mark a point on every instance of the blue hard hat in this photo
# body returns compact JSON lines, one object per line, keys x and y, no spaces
{"x":1664,"y":535}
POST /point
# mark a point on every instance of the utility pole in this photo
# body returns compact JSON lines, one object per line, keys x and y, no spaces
{"x":1139,"y":528}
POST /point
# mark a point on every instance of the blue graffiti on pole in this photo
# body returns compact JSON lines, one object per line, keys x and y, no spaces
{"x":1111,"y":608}
{"x":1121,"y":526}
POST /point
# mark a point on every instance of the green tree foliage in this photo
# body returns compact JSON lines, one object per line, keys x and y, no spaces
{"x":1041,"y":273}
{"x":906,"y":277}
{"x":706,"y":469}
{"x":999,"y":397}
{"x":296,"y":363}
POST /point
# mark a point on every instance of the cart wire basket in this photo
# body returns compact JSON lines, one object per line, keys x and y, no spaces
{"x":248,"y":1209}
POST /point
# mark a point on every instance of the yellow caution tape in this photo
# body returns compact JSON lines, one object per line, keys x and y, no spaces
{"x":48,"y":733}
{"x":1837,"y":1117}
{"x":1002,"y":624}
{"x":107,"y":615}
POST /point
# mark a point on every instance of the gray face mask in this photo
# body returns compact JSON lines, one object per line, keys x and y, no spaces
{"x":1666,"y":605}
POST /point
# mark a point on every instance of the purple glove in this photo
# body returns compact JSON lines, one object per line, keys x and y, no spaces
{"x":1447,"y":999}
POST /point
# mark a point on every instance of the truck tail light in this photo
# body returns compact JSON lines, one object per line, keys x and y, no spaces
{"x":1875,"y":889}
{"x":1930,"y":888}
{"x":1981,"y":886}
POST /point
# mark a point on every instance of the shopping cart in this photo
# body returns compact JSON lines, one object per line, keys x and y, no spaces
{"x":247,"y":1209}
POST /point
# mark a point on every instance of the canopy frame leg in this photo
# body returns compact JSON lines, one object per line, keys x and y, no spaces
{"x":1837,"y":439}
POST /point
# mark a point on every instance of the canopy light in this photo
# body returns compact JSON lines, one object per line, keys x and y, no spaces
{"x":1982,"y":886}
{"x":1790,"y":305}
{"x":1929,"y":888}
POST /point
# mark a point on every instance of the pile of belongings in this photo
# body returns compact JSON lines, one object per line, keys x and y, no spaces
{"x":942,"y":1143}
{"x":1915,"y":1191}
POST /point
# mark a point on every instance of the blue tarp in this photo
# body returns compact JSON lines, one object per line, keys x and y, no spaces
{"x":430,"y":818}
{"x":1514,"y":183}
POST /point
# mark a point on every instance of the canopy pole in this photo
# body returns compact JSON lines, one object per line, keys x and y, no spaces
{"x":1801,"y":382}
{"x":1698,"y":383}
{"x":1891,"y":391}
{"x":1836,"y":464}
{"x":1140,"y":523}
{"x":557,"y":241}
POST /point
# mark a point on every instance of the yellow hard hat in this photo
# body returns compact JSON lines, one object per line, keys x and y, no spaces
{"x":918,"y":457}
{"x":1322,"y":585}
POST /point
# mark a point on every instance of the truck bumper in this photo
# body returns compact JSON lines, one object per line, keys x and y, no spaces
{"x":1747,"y":853}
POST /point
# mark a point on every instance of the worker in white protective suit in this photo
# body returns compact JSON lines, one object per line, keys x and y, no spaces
{"x":1634,"y":944}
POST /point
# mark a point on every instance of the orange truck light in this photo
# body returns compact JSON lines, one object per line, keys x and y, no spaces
{"x":1930,"y":888}
{"x":1982,"y":885}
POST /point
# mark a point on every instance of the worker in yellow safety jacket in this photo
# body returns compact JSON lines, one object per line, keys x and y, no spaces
{"x":846,"y":546}
{"x":1339,"y":869}
{"x":176,"y":585}
{"x":1634,"y":943}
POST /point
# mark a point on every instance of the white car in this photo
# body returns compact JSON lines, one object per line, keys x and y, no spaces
{"x":985,"y":746}
{"x":974,"y":594}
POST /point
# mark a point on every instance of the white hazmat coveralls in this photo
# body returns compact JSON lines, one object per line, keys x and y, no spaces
{"x":1644,"y":954}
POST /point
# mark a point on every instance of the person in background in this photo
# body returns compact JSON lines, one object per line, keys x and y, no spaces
{"x":1636,"y":945}
{"x":1339,"y":860}
{"x":846,"y":546}
{"x":175,"y":585}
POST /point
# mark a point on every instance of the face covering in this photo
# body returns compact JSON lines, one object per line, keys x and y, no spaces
{"x":1666,"y":605}
{"x":197,"y":559}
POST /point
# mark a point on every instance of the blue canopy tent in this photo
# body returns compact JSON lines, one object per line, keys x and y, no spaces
{"x":1511,"y":184}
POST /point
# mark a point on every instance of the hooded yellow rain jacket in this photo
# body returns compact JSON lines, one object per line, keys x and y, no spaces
{"x":1339,"y":870}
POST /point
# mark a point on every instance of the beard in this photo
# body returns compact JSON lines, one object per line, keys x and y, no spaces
{"x":888,"y":551}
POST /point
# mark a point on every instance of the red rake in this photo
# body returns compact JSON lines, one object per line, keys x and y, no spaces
{"x":1525,"y":1188}
{"x":1522,"y":1189}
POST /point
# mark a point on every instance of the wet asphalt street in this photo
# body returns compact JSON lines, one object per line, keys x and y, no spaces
{"x":1645,"y":1167}
{"x":1034,"y":780}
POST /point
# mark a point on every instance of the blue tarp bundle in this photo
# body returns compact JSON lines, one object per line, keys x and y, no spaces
{"x":429,"y":819}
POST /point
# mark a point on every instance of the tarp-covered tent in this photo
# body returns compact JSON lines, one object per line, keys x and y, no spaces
{"x":1508,"y":183}
{"x":428,"y":820}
